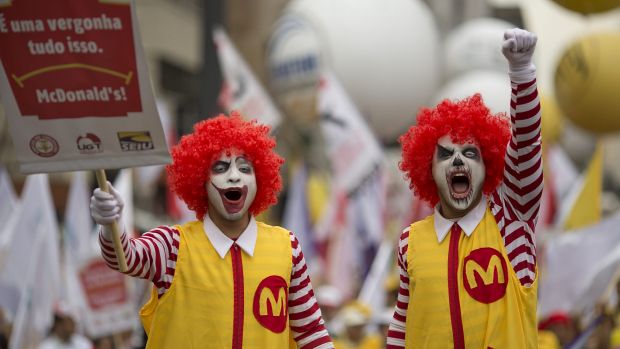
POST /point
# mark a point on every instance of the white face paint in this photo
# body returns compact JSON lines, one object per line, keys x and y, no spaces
{"x":459,"y":172}
{"x":232,"y":186}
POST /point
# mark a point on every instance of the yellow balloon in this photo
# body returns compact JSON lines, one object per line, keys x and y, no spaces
{"x":588,"y":6}
{"x":587,"y":83}
{"x":552,"y":123}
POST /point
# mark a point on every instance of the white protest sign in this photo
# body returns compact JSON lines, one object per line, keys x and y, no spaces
{"x":75,"y":87}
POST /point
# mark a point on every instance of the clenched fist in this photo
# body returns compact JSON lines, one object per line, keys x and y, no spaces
{"x":518,"y":48}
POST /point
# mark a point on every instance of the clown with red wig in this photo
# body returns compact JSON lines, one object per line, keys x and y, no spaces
{"x":224,"y":280}
{"x":468,"y":272}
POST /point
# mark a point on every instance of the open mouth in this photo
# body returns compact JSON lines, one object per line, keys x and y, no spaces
{"x":233,"y":198}
{"x":459,"y":181}
{"x":233,"y":194}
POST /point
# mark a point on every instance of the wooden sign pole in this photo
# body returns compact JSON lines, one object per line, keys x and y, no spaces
{"x":116,"y":236}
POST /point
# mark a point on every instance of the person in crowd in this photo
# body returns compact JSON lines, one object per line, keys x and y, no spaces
{"x":63,"y":335}
{"x":468,"y":271}
{"x":224,"y":280}
{"x":356,"y":317}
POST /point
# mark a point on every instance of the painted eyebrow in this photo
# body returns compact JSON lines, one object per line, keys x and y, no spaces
{"x":442,"y":148}
{"x":221,"y":162}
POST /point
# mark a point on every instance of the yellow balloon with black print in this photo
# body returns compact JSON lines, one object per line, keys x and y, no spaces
{"x":587,"y":83}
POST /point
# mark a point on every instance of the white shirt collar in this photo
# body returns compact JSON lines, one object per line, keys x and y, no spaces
{"x":468,"y":223}
{"x":222,"y":243}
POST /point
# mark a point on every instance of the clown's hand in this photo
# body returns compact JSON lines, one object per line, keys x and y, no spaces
{"x":518,"y":48}
{"x":106,"y":208}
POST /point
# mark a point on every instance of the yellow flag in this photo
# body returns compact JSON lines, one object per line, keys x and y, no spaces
{"x":586,"y":208}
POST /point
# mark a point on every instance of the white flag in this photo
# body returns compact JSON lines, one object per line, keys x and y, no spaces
{"x":124,"y":185}
{"x":353,"y":223}
{"x":7,"y":209}
{"x":78,"y":233}
{"x":241,"y":90}
{"x":573,"y":261}
{"x":352,"y":148}
{"x":32,"y":264}
{"x":7,"y":193}
{"x":78,"y":224}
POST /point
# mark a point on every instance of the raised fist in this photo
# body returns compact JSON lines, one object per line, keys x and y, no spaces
{"x":106,"y":208}
{"x":518,"y":48}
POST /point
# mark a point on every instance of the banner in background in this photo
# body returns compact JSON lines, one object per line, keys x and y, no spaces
{"x":352,"y":149}
{"x":75,"y":86}
{"x":241,"y":90}
{"x":353,"y":222}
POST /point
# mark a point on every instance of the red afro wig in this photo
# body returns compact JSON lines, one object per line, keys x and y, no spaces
{"x":466,"y":120}
{"x":196,"y":153}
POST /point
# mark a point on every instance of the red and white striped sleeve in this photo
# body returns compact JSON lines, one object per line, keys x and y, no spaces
{"x":152,"y":256}
{"x":396,"y":331}
{"x":516,"y":203}
{"x":305,"y":319}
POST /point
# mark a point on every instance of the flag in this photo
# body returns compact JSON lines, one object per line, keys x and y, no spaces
{"x":574,"y":264}
{"x":78,"y":233}
{"x":240,"y":89}
{"x":353,"y":224}
{"x":9,"y":204}
{"x":124,"y":185}
{"x":32,"y":264}
{"x":78,"y":224}
{"x":584,"y":202}
{"x":7,"y":193}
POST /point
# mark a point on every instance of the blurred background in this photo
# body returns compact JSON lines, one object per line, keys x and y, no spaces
{"x":339,"y":81}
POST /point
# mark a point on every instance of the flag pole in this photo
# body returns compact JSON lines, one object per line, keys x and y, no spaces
{"x":116,"y":236}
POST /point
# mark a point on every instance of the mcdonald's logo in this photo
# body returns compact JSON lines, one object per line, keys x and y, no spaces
{"x":485,"y":275}
{"x":267,"y":299}
{"x":270,"y":303}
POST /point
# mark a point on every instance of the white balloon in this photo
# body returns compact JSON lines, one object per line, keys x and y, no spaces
{"x":476,"y":44}
{"x":492,"y":85}
{"x":385,"y":53}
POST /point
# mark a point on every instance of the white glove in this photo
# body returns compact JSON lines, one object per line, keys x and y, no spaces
{"x":106,"y":208}
{"x":518,"y":48}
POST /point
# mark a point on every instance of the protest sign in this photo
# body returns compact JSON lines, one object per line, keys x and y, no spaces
{"x":75,"y":87}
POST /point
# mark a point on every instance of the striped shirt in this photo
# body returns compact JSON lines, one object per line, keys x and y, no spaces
{"x":514,"y":204}
{"x":153,"y":257}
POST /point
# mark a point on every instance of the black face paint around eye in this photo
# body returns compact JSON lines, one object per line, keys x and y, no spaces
{"x":444,"y":153}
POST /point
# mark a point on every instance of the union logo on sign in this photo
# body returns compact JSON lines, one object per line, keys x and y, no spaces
{"x":44,"y":146}
{"x":485,"y":275}
{"x":270,"y":303}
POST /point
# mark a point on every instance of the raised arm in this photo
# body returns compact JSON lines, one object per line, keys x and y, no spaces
{"x":152,"y":256}
{"x":516,"y":203}
{"x":396,"y":331}
{"x":523,"y":177}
